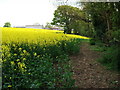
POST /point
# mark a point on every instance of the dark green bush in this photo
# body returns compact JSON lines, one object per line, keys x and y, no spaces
{"x":92,"y":41}
{"x":70,"y":47}
{"x":111,"y":58}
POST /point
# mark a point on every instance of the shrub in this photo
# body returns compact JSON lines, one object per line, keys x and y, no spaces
{"x":111,"y":58}
{"x":92,"y":41}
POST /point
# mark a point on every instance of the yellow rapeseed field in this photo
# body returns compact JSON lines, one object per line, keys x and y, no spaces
{"x":32,"y":53}
{"x":35,"y":35}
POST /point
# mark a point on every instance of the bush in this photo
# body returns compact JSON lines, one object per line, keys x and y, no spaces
{"x":111,"y":58}
{"x":92,"y":41}
{"x":112,"y":37}
{"x":71,"y":47}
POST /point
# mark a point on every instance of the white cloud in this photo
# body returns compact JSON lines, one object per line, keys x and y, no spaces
{"x":23,"y":12}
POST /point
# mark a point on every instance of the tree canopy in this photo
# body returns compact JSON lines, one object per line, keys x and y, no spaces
{"x":67,"y":16}
{"x":7,"y":24}
{"x":97,"y":19}
{"x":105,"y":19}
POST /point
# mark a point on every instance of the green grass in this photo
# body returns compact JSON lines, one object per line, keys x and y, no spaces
{"x":98,"y":48}
{"x":110,"y":56}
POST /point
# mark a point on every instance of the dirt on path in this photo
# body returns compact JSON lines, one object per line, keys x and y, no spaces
{"x":88,"y":73}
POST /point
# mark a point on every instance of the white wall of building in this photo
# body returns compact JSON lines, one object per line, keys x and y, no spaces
{"x":34,"y":26}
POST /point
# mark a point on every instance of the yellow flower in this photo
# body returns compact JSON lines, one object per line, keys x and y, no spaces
{"x":22,"y":54}
{"x":9,"y":85}
{"x":9,"y":55}
{"x":24,"y":51}
{"x":38,"y":56}
{"x":14,"y":45}
{"x":21,"y":65}
{"x":12,"y":63}
{"x":20,"y":49}
{"x":35,"y":54}
{"x":15,"y":54}
{"x":0,"y":60}
{"x":24,"y":58}
{"x":18,"y":60}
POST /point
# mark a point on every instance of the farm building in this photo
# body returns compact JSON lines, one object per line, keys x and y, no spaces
{"x":34,"y":26}
{"x":19,"y":26}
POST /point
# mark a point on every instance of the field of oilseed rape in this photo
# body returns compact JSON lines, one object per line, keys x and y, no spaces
{"x":35,"y":58}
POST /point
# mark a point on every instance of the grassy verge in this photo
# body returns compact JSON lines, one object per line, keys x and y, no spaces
{"x":111,"y":59}
{"x":110,"y":56}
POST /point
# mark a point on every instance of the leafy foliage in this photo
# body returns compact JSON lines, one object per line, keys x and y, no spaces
{"x":104,"y":18}
{"x":92,"y":41}
{"x":7,"y":24}
{"x":68,"y":17}
{"x":111,"y":58}
{"x":29,"y":68}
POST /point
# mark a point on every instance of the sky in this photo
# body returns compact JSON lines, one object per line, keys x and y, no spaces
{"x":26,"y":12}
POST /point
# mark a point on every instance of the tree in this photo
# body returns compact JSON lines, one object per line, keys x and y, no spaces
{"x":57,"y":3}
{"x":48,"y":25}
{"x":105,"y":19}
{"x":65,"y":16}
{"x":7,"y":24}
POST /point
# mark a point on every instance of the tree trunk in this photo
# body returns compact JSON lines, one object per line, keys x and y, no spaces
{"x":108,"y":22}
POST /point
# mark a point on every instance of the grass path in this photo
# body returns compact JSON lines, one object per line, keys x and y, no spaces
{"x":88,"y":73}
